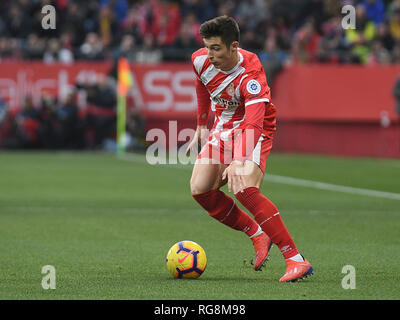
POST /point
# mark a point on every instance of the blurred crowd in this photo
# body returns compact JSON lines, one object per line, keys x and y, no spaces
{"x":281,"y":32}
{"x":303,"y":31}
{"x":67,"y":124}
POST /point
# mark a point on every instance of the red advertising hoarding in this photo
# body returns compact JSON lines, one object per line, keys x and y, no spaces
{"x":335,"y":103}
{"x":164,"y":89}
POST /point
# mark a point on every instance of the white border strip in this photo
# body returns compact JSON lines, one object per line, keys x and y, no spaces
{"x":291,"y":181}
{"x":249,"y":103}
{"x":331,"y":187}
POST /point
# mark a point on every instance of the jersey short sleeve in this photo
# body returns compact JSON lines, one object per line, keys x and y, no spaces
{"x":254,"y":89}
{"x":203,"y":96}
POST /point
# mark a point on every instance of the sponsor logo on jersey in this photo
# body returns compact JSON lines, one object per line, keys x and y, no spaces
{"x":225,"y":102}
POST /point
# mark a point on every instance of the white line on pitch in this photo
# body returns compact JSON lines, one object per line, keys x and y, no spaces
{"x":331,"y":187}
{"x":292,"y":181}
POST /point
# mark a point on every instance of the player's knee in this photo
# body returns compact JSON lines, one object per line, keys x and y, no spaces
{"x":205,"y":178}
{"x":197,"y":187}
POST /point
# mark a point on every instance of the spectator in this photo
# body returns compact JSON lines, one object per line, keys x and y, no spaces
{"x":394,"y":25}
{"x":53,"y":52}
{"x":251,"y":13}
{"x":281,"y":33}
{"x":306,"y":43}
{"x":396,"y":54}
{"x":193,"y":24}
{"x":47,"y":128}
{"x":396,"y":95}
{"x":146,"y":15}
{"x":66,"y":50}
{"x":126,"y":48}
{"x":360,"y":39}
{"x":136,"y":128}
{"x":379,"y":54}
{"x":384,"y":35}
{"x":131,"y":26}
{"x":250,"y":41}
{"x":332,"y":8}
{"x":167,"y":19}
{"x":331,"y":47}
{"x":92,"y":48}
{"x":6,"y":51}
{"x":8,"y":127}
{"x":108,"y":25}
{"x":100,"y":110}
{"x":69,"y":127}
{"x":183,"y":47}
{"x":17,"y":24}
{"x":34,"y":48}
{"x":393,"y":6}
{"x":271,"y":52}
{"x":119,"y":8}
{"x":375,"y":10}
{"x":28,"y":123}
{"x":3,"y":110}
{"x":74,"y":22}
{"x":3,"y":119}
{"x":202,"y":9}
{"x":312,"y":10}
{"x":148,"y":53}
{"x":272,"y":58}
{"x":226,"y":8}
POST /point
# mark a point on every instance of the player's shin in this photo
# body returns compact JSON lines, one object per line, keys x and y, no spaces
{"x":267,"y":216}
{"x":224,"y":209}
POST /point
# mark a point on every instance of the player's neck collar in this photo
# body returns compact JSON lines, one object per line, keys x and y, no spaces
{"x":236,"y":66}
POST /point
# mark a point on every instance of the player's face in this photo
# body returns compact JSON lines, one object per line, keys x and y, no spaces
{"x":221,"y":56}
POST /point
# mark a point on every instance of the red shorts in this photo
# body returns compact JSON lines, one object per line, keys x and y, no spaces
{"x":221,"y":151}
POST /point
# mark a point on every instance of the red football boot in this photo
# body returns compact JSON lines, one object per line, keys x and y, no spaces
{"x":296,"y":270}
{"x":262,"y":243}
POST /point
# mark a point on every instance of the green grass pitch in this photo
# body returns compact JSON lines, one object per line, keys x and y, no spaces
{"x":106,"y":223}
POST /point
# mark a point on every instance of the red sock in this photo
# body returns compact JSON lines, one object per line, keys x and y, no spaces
{"x":267,"y":216}
{"x":224,"y":209}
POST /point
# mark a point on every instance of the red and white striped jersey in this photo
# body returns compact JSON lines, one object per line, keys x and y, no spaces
{"x":232,"y":92}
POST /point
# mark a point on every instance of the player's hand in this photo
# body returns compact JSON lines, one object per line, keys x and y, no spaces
{"x":235,"y":174}
{"x":200,"y":137}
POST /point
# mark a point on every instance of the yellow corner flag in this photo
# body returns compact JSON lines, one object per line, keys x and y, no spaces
{"x":125,"y":82}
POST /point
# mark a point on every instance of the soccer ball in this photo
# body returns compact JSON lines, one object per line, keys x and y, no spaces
{"x":186,"y":259}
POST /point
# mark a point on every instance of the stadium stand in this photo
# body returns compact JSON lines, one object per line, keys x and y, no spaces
{"x":302,"y":31}
{"x":282,"y":32}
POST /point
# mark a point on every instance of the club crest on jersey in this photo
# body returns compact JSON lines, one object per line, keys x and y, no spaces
{"x":230,"y":89}
{"x":253,"y":86}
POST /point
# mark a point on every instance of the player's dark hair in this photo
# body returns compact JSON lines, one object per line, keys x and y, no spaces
{"x":224,"y":27}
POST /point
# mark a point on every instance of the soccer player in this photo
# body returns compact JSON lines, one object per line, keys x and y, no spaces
{"x":231,"y":81}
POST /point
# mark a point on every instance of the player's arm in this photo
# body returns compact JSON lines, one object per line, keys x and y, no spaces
{"x":203,"y":109}
{"x":256,"y":96}
{"x":203,"y":103}
{"x":243,"y":146}
{"x":246,"y":140}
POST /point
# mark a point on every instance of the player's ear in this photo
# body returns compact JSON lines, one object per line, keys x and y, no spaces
{"x":234,"y":45}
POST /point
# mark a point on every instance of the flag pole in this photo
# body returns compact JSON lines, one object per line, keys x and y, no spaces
{"x":125,"y":82}
{"x":121,"y":123}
